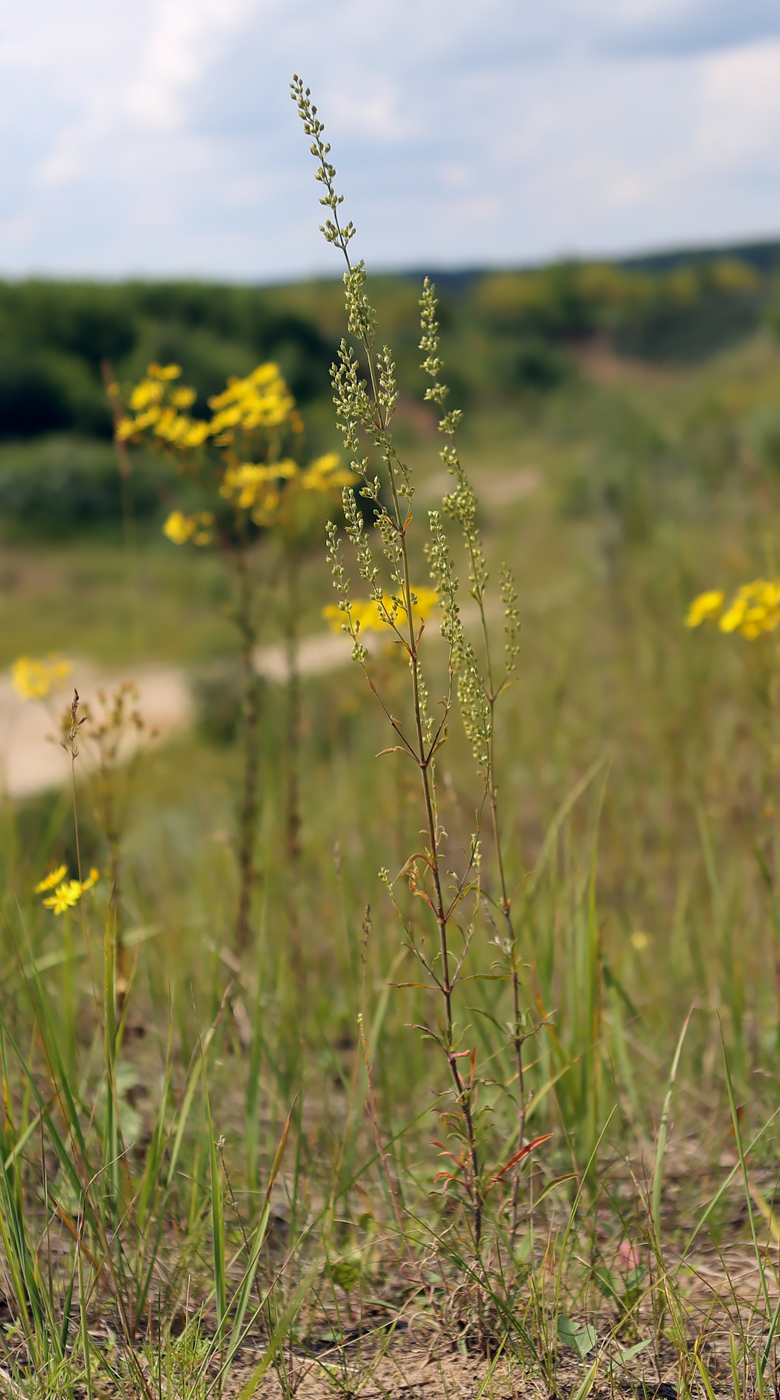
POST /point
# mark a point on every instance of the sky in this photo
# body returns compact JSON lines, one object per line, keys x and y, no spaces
{"x":157,"y":137}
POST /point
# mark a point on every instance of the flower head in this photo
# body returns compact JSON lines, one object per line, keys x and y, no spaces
{"x":261,"y":400}
{"x":754,"y":609}
{"x":54,"y":878}
{"x":149,"y":391}
{"x":164,"y":372}
{"x":326,"y":474}
{"x":34,"y":679}
{"x":381,"y":614}
{"x":180,"y":528}
{"x":707,"y":605}
{"x":67,"y":892}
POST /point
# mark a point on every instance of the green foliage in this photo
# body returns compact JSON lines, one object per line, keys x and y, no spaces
{"x":56,"y":485}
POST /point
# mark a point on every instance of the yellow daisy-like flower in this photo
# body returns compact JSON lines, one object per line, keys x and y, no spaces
{"x":371,"y":614}
{"x":65,"y":896}
{"x":326,"y":474}
{"x":180,"y":528}
{"x":177,"y":527}
{"x":707,"y":605}
{"x":49,"y":881}
{"x":261,"y":400}
{"x":68,"y":892}
{"x":34,"y":679}
{"x":147,"y":392}
{"x":247,"y":485}
{"x":196,"y":433}
{"x":754,"y":609}
{"x":156,"y":371}
{"x":183,"y":397}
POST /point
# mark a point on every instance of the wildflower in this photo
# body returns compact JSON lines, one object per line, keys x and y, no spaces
{"x":156,"y":371}
{"x":248,"y":484}
{"x":49,"y":881}
{"x":183,"y":397}
{"x":180,"y":528}
{"x":34,"y":680}
{"x":261,"y":400}
{"x":67,"y":892}
{"x":707,"y":605}
{"x":196,"y":434}
{"x":754,"y":609}
{"x":326,"y":474}
{"x":145,"y":393}
{"x":177,"y":527}
{"x":372,"y":614}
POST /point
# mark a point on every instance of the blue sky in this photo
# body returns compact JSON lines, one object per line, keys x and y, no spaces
{"x":157,"y":137}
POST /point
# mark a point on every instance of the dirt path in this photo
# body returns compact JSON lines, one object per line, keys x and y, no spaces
{"x":32,"y":761}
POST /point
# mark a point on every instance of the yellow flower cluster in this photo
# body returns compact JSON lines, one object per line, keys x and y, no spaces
{"x":158,"y":407}
{"x":262,"y":400}
{"x":754,"y":609}
{"x":326,"y":474}
{"x":66,"y":892}
{"x":256,"y":487}
{"x":34,"y":680}
{"x":369,"y":616}
{"x":259,"y":403}
{"x":180,"y":528}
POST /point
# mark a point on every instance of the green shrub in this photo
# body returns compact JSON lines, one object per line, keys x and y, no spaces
{"x":60,"y":483}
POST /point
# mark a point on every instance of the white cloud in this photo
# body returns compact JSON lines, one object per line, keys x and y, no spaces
{"x":740,"y":104}
{"x":158,"y":136}
{"x":177,"y":52}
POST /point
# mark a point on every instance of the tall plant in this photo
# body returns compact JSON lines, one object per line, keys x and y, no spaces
{"x":366,"y":397}
{"x":241,"y":459}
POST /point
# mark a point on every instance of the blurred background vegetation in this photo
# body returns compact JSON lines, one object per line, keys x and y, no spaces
{"x":514,"y":339}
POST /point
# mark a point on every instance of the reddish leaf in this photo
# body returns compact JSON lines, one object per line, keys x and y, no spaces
{"x":518,"y":1157}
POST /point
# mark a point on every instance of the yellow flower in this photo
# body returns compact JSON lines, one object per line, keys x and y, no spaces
{"x":372,"y":614}
{"x":49,"y":881}
{"x":177,"y":527}
{"x":707,"y":605}
{"x":144,"y":394}
{"x":183,"y":398}
{"x":180,"y":528}
{"x":156,"y":371}
{"x":64,"y":897}
{"x":250,"y":484}
{"x":125,"y":429}
{"x":754,"y":609}
{"x":67,"y":893}
{"x":734,"y":615}
{"x":326,"y":474}
{"x":34,"y":680}
{"x":196,"y":433}
{"x":261,"y":400}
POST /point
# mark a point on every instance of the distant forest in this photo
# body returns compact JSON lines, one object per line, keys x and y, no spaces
{"x":507,"y":335}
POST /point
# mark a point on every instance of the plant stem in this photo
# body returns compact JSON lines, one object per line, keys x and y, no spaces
{"x":249,"y":807}
{"x":293,"y":737}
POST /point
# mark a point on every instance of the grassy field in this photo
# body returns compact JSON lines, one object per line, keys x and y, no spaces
{"x":202,"y":1186}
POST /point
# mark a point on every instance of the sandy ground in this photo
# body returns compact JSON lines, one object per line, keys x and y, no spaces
{"x":31,"y":759}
